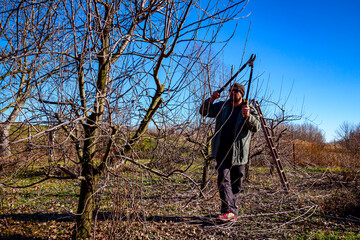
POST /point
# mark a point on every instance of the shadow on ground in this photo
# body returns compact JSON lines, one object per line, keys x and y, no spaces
{"x":102,"y":216}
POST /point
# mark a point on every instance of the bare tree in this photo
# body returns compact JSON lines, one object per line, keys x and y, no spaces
{"x":277,"y":115}
{"x":344,"y":132}
{"x":115,"y":63}
{"x":25,"y":30}
{"x":210,"y":74}
{"x":355,"y":140}
{"x":348,"y":137}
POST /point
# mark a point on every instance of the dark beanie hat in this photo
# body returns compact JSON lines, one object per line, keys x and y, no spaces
{"x":239,"y":87}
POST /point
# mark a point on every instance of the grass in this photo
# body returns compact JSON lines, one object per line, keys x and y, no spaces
{"x":327,"y":235}
{"x":173,"y":209}
{"x":324,"y":169}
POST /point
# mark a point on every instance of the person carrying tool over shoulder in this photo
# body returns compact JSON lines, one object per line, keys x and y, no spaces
{"x":235,"y":121}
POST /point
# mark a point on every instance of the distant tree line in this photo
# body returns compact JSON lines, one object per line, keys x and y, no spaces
{"x":307,"y":132}
{"x":348,"y":135}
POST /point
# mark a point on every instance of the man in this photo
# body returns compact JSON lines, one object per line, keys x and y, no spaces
{"x":235,"y":120}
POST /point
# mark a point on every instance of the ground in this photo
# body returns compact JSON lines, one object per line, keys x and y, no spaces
{"x":321,"y":204}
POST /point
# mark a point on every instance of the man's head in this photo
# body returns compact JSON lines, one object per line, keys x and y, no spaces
{"x":237,"y":91}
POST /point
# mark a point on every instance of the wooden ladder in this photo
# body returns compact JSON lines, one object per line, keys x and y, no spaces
{"x":273,"y":150}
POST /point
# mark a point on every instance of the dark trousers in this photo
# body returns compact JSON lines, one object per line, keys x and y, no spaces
{"x":229,"y":185}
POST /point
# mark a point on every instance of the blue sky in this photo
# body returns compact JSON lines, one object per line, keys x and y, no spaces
{"x":311,"y":47}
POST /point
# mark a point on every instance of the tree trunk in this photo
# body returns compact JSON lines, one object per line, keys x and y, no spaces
{"x":207,"y":160}
{"x":86,"y":205}
{"x":4,"y":140}
{"x":5,"y":150}
{"x":88,"y":185}
{"x":205,"y":175}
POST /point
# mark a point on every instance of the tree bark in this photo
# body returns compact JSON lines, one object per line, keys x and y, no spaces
{"x":205,"y":175}
{"x":4,"y":140}
{"x":86,"y":203}
{"x":207,"y":160}
{"x":88,"y":186}
{"x":5,"y":150}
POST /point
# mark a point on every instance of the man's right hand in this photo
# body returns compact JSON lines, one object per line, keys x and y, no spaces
{"x":214,"y":96}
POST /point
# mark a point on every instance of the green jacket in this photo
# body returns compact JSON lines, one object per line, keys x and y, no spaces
{"x":241,"y":147}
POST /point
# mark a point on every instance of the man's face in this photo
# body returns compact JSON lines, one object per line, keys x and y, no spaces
{"x":235,"y":95}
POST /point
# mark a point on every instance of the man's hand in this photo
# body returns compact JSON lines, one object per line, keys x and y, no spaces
{"x":245,"y":110}
{"x":214,"y":96}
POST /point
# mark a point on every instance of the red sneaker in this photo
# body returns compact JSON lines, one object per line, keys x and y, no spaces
{"x":229,"y":216}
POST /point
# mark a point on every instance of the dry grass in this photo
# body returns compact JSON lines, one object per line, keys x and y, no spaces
{"x":325,"y":155}
{"x":323,"y":202}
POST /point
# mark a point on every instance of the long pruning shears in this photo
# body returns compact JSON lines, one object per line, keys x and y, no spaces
{"x":250,"y":62}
